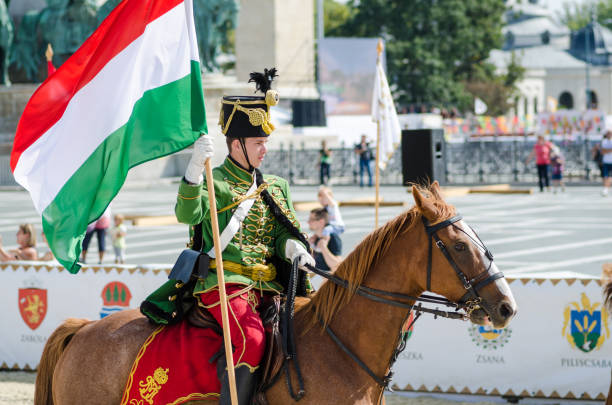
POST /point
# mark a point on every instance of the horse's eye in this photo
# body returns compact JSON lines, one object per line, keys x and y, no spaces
{"x":459,"y":246}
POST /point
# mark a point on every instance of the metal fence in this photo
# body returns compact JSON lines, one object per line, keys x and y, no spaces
{"x":485,"y":161}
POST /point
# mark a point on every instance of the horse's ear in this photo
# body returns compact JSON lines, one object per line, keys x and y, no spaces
{"x":436,"y":191}
{"x":424,"y":205}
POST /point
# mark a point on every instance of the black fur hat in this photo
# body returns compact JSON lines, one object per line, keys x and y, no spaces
{"x":249,"y":116}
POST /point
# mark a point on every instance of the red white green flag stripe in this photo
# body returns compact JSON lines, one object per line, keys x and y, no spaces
{"x":130,"y":94}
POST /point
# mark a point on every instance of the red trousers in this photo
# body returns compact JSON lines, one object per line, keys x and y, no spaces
{"x":246,"y":328}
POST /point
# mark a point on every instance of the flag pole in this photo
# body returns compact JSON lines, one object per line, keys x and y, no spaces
{"x":221,"y":279}
{"x":379,"y":49}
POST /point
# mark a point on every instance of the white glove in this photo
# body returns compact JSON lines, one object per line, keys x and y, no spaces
{"x":294,"y":249}
{"x":202,"y":150}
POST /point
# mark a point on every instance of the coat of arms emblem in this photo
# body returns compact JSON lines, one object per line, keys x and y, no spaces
{"x":585,"y":326}
{"x":33,"y":306}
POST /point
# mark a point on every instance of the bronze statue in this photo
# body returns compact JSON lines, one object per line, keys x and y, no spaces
{"x":6,"y":40}
{"x":106,"y":9}
{"x":26,"y":50}
{"x":214,"y":19}
{"x":66,"y":24}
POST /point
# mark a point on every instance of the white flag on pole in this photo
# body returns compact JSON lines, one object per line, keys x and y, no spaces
{"x":383,"y":113}
{"x":479,"y":106}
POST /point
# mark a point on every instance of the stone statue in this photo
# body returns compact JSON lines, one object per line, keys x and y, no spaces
{"x":6,"y":40}
{"x":214,"y":19}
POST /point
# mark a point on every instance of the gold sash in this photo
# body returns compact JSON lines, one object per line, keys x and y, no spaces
{"x":258,"y":272}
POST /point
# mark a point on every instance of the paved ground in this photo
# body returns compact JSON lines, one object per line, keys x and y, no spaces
{"x":539,"y":232}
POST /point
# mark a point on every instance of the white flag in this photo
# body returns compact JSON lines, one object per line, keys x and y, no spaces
{"x":479,"y":106}
{"x":383,"y":113}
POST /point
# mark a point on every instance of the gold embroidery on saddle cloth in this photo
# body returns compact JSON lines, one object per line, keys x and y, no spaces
{"x":150,"y":386}
{"x":141,"y":352}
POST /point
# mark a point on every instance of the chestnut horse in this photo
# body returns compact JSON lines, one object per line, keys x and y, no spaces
{"x":88,"y":362}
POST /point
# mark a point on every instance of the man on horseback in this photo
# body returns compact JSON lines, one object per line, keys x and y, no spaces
{"x":258,"y":225}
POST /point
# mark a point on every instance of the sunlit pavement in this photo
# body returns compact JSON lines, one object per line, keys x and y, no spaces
{"x":538,"y":232}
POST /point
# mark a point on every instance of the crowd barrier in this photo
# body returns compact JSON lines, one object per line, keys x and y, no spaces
{"x":558,"y":345}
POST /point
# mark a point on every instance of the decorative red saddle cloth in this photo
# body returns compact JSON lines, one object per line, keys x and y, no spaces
{"x":172,"y":367}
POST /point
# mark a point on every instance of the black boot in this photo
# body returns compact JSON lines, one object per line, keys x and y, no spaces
{"x":246,"y":381}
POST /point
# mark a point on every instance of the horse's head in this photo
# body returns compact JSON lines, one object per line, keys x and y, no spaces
{"x":460,"y":267}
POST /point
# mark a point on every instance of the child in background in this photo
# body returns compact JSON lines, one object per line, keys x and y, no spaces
{"x":118,"y":234}
{"x":326,"y":199}
{"x":556,"y":163}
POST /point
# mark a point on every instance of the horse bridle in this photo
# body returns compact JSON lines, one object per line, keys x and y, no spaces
{"x":470,"y":301}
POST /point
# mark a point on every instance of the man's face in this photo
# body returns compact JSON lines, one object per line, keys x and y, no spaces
{"x":315,"y":224}
{"x":256,"y":150}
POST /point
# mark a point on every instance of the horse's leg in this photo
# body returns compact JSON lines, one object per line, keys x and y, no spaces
{"x":51,"y":354}
{"x":96,"y":364}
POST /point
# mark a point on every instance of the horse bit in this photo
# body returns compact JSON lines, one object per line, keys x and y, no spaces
{"x":470,"y":301}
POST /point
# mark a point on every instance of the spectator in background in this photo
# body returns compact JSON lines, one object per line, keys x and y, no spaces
{"x":541,"y":152}
{"x":48,"y":255}
{"x":598,"y":157}
{"x":118,"y":233}
{"x":99,"y":228}
{"x":326,"y":249}
{"x":556,"y":164}
{"x":26,"y":239}
{"x":335,"y":222}
{"x":49,"y":56}
{"x":606,"y":151}
{"x":365,"y":157}
{"x":325,"y":162}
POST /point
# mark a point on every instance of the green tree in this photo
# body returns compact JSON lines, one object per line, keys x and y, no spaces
{"x":498,"y":92}
{"x":434,"y":48}
{"x":335,"y":14}
{"x":576,"y":16}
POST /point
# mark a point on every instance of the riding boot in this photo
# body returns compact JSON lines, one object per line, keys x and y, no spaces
{"x":246,"y":381}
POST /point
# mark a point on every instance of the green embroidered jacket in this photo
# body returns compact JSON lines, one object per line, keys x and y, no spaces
{"x":261,"y":235}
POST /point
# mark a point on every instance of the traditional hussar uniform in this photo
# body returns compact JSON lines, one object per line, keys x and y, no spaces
{"x":253,"y":237}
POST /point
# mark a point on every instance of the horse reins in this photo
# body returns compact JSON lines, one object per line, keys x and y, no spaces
{"x":469,"y":302}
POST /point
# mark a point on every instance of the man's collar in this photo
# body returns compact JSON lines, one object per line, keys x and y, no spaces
{"x":233,"y":167}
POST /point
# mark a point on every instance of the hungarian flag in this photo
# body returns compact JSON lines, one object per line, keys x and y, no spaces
{"x":131,"y":93}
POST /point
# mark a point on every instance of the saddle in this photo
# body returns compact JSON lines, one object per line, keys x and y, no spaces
{"x":273,"y":359}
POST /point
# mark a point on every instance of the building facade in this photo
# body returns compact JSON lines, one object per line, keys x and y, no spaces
{"x":560,"y":65}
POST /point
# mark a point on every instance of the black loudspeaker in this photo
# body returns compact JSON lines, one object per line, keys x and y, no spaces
{"x":423,"y":156}
{"x":308,"y":113}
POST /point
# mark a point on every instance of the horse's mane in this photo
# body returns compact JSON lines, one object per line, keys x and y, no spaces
{"x":354,"y":268}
